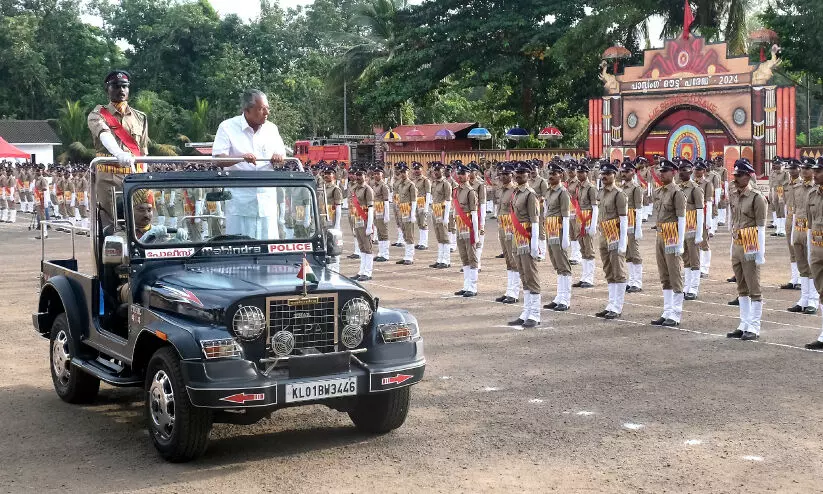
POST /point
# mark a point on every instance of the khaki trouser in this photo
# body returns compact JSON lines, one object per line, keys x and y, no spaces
{"x":422,"y":219}
{"x":633,"y":250}
{"x":408,"y":231}
{"x":614,"y":263}
{"x":817,"y":268}
{"x":441,"y":231}
{"x":691,"y":254}
{"x":382,"y":229}
{"x":560,"y":260}
{"x":789,"y":230}
{"x":669,"y":267}
{"x":747,"y":274}
{"x":103,"y":195}
{"x":780,"y":209}
{"x":527,"y":267}
{"x":801,"y":254}
{"x":468,"y":252}
{"x":506,"y":247}
{"x":363,"y":240}
{"x":587,"y":247}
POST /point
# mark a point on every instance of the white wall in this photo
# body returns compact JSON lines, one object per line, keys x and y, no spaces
{"x":44,"y":153}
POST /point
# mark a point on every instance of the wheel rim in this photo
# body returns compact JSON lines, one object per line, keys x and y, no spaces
{"x":61,"y":359}
{"x":161,"y":405}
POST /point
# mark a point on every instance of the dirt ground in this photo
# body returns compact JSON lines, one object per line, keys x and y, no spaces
{"x":577,"y":405}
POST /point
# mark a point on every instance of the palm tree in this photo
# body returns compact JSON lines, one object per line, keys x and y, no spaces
{"x":72,"y":123}
{"x":199,"y":120}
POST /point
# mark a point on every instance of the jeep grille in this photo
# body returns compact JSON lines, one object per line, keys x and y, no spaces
{"x":311,"y":320}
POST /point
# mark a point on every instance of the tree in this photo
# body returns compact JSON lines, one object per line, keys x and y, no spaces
{"x":796,"y":22}
{"x":72,"y":124}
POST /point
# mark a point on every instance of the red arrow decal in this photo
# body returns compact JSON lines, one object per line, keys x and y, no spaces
{"x":242,"y":398}
{"x":398,"y":379}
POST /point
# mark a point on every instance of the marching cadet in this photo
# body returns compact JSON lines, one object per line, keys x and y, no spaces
{"x":557,"y":209}
{"x":424,"y":201}
{"x":441,"y":194}
{"x":401,"y":242}
{"x":778,"y":179}
{"x":572,"y":185}
{"x":808,"y":301}
{"x":814,"y":215}
{"x":614,"y":231}
{"x":120,"y":131}
{"x":670,"y":204}
{"x":635,"y":193}
{"x":695,"y":228}
{"x":330,"y":203}
{"x":467,"y":225}
{"x":361,"y":208}
{"x":706,"y":184}
{"x":450,"y":177}
{"x":382,"y":202}
{"x":505,"y":233}
{"x":793,"y":166}
{"x":405,"y":197}
{"x":479,"y":187}
{"x":585,"y":205}
{"x":540,"y":186}
{"x":748,"y":226}
{"x":526,"y":245}
{"x":723,"y":174}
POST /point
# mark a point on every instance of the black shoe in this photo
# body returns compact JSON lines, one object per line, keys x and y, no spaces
{"x":733,"y":279}
{"x":577,"y":284}
{"x":817,"y":345}
{"x":529,"y":323}
{"x":737,"y":333}
{"x":645,"y":221}
{"x":501,"y":298}
{"x":469,"y":294}
{"x":787,"y":286}
{"x":781,"y":235}
{"x":444,"y":266}
{"x":398,"y":244}
{"x":404,"y":262}
{"x":634,"y":289}
{"x":516,"y":322}
{"x":810,"y":310}
{"x":510,"y":300}
{"x":704,"y":275}
{"x":773,"y":234}
{"x":585,"y":284}
{"x":356,"y":277}
{"x":734,"y":302}
{"x":795,"y":308}
{"x":421,"y":247}
{"x":602,"y":313}
{"x":659,"y":321}
{"x":654,"y":227}
{"x":353,"y":256}
{"x":550,"y":306}
{"x":561,"y":308}
{"x":364,"y":278}
{"x":771,"y":227}
{"x":689,"y":296}
{"x":797,"y":286}
{"x":611,"y":315}
{"x":380,"y":259}
{"x":573,"y":262}
{"x":460,"y":293}
{"x":670,"y":323}
{"x":500,"y":256}
{"x":436,"y":265}
{"x":749,"y":336}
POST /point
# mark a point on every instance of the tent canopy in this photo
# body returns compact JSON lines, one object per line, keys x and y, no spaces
{"x":9,"y":151}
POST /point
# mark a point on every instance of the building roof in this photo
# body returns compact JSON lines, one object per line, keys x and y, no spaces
{"x":460,"y":130}
{"x":28,"y":132}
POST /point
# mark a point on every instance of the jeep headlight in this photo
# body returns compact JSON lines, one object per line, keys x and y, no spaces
{"x":357,"y":312}
{"x":249,"y":322}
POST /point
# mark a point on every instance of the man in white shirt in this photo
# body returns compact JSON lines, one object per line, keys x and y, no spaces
{"x":250,"y":136}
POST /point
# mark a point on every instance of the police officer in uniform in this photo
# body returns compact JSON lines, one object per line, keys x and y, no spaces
{"x":748,"y":226}
{"x":505,"y":233}
{"x":525,"y":219}
{"x":441,"y":203}
{"x":670,"y":204}
{"x":778,"y":179}
{"x":361,"y":209}
{"x":405,"y":197}
{"x":424,"y":200}
{"x":130,"y":124}
{"x":382,"y":203}
{"x":634,"y":197}
{"x":540,"y":185}
{"x":587,"y":223}
{"x":479,"y":186}
{"x":793,"y":167}
{"x":467,"y":225}
{"x":808,"y":301}
{"x":705,"y":184}
{"x":556,"y":214}
{"x":614,"y":231}
{"x":720,"y":168}
{"x":814,"y":214}
{"x":695,"y":228}
{"x":330,"y":203}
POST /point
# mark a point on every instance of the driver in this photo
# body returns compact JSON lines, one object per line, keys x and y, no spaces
{"x":143,"y":201}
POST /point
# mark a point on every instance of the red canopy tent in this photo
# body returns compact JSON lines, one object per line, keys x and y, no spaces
{"x":9,"y":151}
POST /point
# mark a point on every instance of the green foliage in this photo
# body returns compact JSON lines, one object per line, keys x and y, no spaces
{"x":796,"y":22}
{"x":72,"y":125}
{"x":802,"y":140}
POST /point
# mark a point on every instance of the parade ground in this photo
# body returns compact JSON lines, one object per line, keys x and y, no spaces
{"x":577,"y":405}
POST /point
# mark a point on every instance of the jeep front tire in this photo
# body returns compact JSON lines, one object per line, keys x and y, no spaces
{"x":71,"y":384}
{"x":179,"y":430}
{"x":380,"y":413}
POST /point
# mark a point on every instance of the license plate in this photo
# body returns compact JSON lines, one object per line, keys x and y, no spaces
{"x":319,"y":390}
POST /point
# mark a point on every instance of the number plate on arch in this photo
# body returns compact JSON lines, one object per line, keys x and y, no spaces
{"x":320,"y":390}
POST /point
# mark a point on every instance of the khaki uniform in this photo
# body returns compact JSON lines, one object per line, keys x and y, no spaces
{"x":504,"y":231}
{"x":382,"y":199}
{"x":777,"y":189}
{"x":612,"y":205}
{"x":111,"y":176}
{"x":707,"y":186}
{"x":587,"y":199}
{"x":557,"y":203}
{"x":790,"y":212}
{"x":365,"y":196}
{"x":723,"y":176}
{"x":441,"y":191}
{"x":800,"y":196}
{"x":634,"y":202}
{"x":466,"y":197}
{"x":405,"y":193}
{"x":540,"y":185}
{"x":814,"y":214}
{"x":749,"y":210}
{"x":424,"y":189}
{"x":329,"y":196}
{"x":670,"y":204}
{"x":694,"y":202}
{"x":526,"y":212}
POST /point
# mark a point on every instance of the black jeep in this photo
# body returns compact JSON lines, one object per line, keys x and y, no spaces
{"x":225,"y":309}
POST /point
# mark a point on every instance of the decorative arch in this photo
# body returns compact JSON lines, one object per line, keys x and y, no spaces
{"x":685,"y":106}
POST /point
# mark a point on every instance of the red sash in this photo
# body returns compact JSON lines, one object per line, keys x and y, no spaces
{"x":516,"y":225}
{"x":656,"y":178}
{"x":358,"y":209}
{"x":579,"y":213}
{"x":463,"y":216}
{"x":189,"y":206}
{"x":642,"y":182}
{"x":120,"y":132}
{"x":20,"y":183}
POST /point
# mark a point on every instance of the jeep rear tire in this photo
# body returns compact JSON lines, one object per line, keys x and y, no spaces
{"x":380,"y":413}
{"x":179,"y":430}
{"x":71,"y":384}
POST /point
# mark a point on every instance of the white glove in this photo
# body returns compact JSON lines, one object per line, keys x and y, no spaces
{"x":385,"y":213}
{"x":565,"y":242}
{"x":446,"y":211}
{"x":73,"y":199}
{"x":413,"y":210}
{"x":198,"y":210}
{"x":592,"y":229}
{"x":808,"y":245}
{"x":124,"y":158}
{"x":370,"y":222}
{"x":307,"y":218}
{"x":478,"y":242}
{"x":698,"y":235}
{"x":681,"y":233}
{"x":172,"y":196}
{"x":535,"y":241}
{"x":623,"y":239}
{"x":428,"y":202}
{"x":638,"y":228}
{"x":182,"y":234}
{"x":338,"y":213}
{"x":282,"y":218}
{"x":156,"y":231}
{"x":761,"y":245}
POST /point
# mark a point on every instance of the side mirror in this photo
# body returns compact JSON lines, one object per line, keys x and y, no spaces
{"x":334,"y":242}
{"x":115,"y":250}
